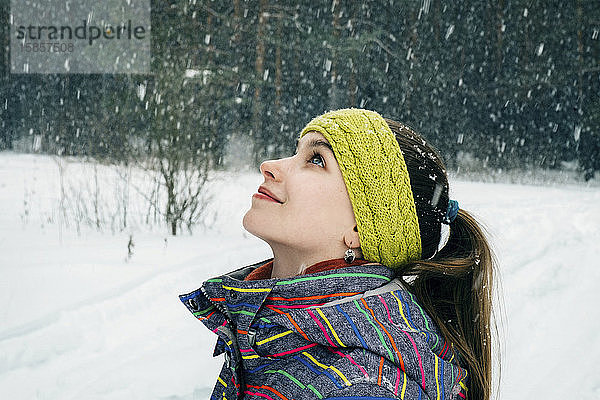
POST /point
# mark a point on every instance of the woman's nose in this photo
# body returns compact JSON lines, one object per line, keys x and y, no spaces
{"x":271,"y":169}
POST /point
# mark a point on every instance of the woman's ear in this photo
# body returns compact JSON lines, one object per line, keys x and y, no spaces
{"x":351,"y":238}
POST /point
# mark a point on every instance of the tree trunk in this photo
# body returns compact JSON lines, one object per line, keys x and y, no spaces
{"x":335,"y":23}
{"x":410,"y":58}
{"x":579,"y":54}
{"x":237,"y":14}
{"x":499,"y":35}
{"x":278,"y":72}
{"x":259,"y":67}
{"x":352,"y":88}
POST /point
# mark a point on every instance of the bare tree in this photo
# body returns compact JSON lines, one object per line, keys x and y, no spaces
{"x":184,"y":179}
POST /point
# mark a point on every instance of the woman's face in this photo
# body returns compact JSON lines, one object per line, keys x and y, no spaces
{"x":303,"y":202}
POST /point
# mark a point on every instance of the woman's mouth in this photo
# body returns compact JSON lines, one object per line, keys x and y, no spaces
{"x":266,"y":195}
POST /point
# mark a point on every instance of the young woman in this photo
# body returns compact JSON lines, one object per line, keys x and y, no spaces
{"x":379,"y":286}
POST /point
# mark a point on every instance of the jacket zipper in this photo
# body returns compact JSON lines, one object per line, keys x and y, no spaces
{"x":223,"y":310}
{"x":234,"y":346}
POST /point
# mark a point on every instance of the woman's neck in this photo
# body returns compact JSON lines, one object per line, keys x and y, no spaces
{"x":288,"y":262}
{"x":286,"y":265}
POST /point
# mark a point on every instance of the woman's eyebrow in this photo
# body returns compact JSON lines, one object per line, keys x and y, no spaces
{"x":316,"y":143}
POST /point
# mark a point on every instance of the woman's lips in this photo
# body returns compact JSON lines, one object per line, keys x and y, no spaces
{"x":264,"y":197}
{"x":263,"y":193}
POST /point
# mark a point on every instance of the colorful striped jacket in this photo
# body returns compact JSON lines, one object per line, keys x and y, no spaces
{"x":348,"y":333}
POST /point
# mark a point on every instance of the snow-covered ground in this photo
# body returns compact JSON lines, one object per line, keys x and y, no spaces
{"x":81,"y":320}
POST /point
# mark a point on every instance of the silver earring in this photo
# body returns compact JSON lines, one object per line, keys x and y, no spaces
{"x":349,"y":256}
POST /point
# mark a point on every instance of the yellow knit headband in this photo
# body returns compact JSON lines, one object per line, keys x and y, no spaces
{"x":377,"y":181}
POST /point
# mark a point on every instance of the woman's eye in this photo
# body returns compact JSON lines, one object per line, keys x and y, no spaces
{"x":318,"y":158}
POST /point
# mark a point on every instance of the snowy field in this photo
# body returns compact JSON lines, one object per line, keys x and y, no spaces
{"x":82,"y":320}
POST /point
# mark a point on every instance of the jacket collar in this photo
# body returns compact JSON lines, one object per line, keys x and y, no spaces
{"x":239,"y":300}
{"x":265,"y":270}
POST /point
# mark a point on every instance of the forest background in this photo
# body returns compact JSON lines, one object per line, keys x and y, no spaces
{"x":496,"y":85}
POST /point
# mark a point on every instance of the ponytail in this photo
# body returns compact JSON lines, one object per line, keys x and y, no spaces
{"x":454,"y":284}
{"x":455,"y":287}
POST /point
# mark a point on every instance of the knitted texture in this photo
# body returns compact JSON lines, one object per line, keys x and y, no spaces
{"x":377,"y":181}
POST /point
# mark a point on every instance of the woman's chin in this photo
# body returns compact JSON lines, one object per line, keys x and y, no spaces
{"x":245,"y":221}
{"x":251,"y":224}
{"x":258,"y":229}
